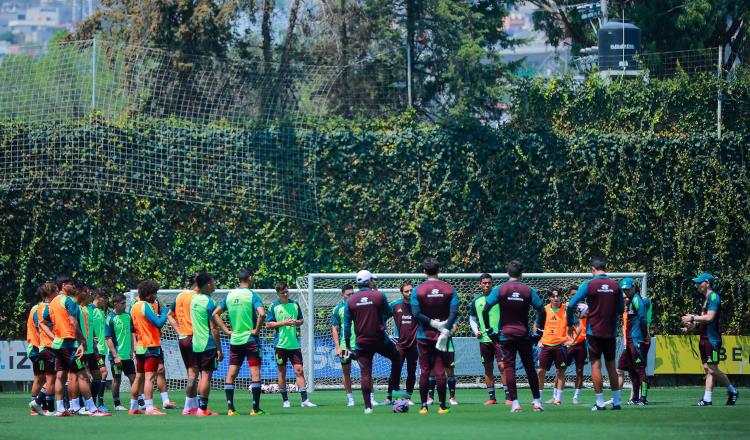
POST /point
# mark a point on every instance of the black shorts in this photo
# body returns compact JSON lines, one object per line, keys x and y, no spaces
{"x":186,"y":352}
{"x":601,"y":346}
{"x":283,"y":355}
{"x":249,"y":350}
{"x":490,"y":351}
{"x":206,"y":360}
{"x":94,"y":361}
{"x":127,"y":367}
{"x":577,"y":353}
{"x":34,"y":358}
{"x":709,"y":352}
{"x":46,"y":361}
{"x":65,"y":360}
{"x":550,"y":354}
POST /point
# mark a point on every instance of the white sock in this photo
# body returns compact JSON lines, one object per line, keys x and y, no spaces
{"x":616,"y":397}
{"x":538,"y":401}
{"x":90,"y":405}
{"x":188,"y":403}
{"x":576,"y":393}
{"x":74,"y":405}
{"x":195,"y":404}
{"x":164,"y":397}
{"x":372,"y":397}
{"x":707,"y":396}
{"x":60,"y":405}
{"x":541,"y":393}
{"x":515,"y":404}
{"x":559,"y":394}
{"x":599,"y":399}
{"x":133,"y":403}
{"x":149,"y":405}
{"x":349,"y":396}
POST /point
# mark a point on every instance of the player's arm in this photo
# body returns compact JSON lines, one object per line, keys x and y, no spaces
{"x":416,"y":309}
{"x":473,"y":319}
{"x":109,"y":332}
{"x":153,"y":318}
{"x":335,"y":326}
{"x":711,"y":308}
{"x":581,"y":293}
{"x":172,"y":318}
{"x":387,"y":309}
{"x":216,"y":317}
{"x":73,"y":311}
{"x":210,"y":309}
{"x":453,"y":314}
{"x":46,"y":324}
{"x":271,"y":318}
{"x":260,"y":311}
{"x":347,"y":327}
{"x":300,"y":319}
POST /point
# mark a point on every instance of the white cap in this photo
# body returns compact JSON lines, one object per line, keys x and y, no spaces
{"x":364,"y":276}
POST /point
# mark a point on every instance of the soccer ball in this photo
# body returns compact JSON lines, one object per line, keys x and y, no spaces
{"x":582,"y":309}
{"x":401,"y":406}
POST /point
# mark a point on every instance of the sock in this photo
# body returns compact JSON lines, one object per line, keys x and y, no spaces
{"x":349,"y":396}
{"x":149,"y":404}
{"x":600,"y":399}
{"x":432,"y":383}
{"x":203,"y":402}
{"x":66,"y":398}
{"x":188,"y":403}
{"x":33,"y":398}
{"x":94,"y":388}
{"x":102,"y":389}
{"x":452,"y":386}
{"x":540,"y":392}
{"x":644,"y":390}
{"x":515,"y":404}
{"x":707,"y":396}
{"x":75,"y":405}
{"x":303,"y":393}
{"x":559,"y":394}
{"x":505,"y":389}
{"x":491,"y":392}
{"x":372,"y":397}
{"x":284,"y":394}
{"x":60,"y":404}
{"x":389,"y":396}
{"x":255,"y":388}
{"x":731,"y":389}
{"x":164,"y":397}
{"x":141,"y":400}
{"x":49,"y":403}
{"x":616,"y":397}
{"x":538,"y":401}
{"x":229,"y":392}
{"x":41,"y":396}
{"x":117,"y":401}
{"x":195,"y":402}
{"x":90,"y":405}
{"x":134,"y":404}
{"x":576,"y":393}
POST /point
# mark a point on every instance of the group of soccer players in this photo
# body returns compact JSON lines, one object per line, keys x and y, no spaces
{"x":69,"y":333}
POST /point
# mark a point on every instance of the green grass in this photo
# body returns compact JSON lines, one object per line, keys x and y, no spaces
{"x":669,"y":416}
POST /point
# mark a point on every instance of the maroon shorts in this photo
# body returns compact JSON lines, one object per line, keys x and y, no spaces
{"x":577,"y":353}
{"x":601,"y":346}
{"x":552,"y":353}
{"x":46,"y":361}
{"x":35,"y":364}
{"x":709,"y":352}
{"x":186,"y":352}
{"x":65,"y":360}
{"x":431,"y":359}
{"x":206,"y":360}
{"x":490,"y":351}
{"x":249,"y":350}
{"x":283,"y":355}
{"x":626,"y":361}
{"x":147,"y":362}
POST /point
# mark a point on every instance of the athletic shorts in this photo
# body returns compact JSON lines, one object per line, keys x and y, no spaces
{"x":249,"y":350}
{"x":148,"y":362}
{"x":65,"y":360}
{"x":206,"y":360}
{"x":34,"y":359}
{"x":186,"y":352}
{"x":709,"y":352}
{"x":601,"y":346}
{"x":283,"y":355}
{"x":46,"y":361}
{"x":94,"y":361}
{"x":490,"y":351}
{"x":577,"y":353}
{"x":550,"y":354}
{"x":127,"y":367}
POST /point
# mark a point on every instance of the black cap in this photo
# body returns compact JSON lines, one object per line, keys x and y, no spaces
{"x":244,"y":274}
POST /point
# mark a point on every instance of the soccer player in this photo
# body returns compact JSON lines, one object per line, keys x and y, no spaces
{"x":147,"y":328}
{"x":405,"y":329}
{"x":345,"y":356}
{"x":120,"y":341}
{"x":44,"y":364}
{"x":246,"y":316}
{"x":552,"y":326}
{"x":87,"y":327}
{"x":161,"y":373}
{"x":435,"y":305}
{"x":62,"y":323}
{"x":577,"y":352}
{"x":32,"y":352}
{"x":489,"y":350}
{"x":450,"y":367}
{"x":515,"y":299}
{"x":97,"y":364}
{"x":285,"y":315}
{"x":710,"y":341}
{"x":206,"y":345}
{"x":179,"y":319}
{"x":605,"y":300}
{"x":368,"y":310}
{"x":635,"y":334}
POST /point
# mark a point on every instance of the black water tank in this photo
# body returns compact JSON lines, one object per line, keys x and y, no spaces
{"x":618,"y":42}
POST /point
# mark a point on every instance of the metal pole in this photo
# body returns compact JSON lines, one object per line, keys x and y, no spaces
{"x":311,"y":322}
{"x":93,"y":76}
{"x":718,"y":93}
{"x":408,"y":71}
{"x":604,"y":11}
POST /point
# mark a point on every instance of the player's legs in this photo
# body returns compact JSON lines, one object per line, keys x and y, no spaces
{"x":232,"y":372}
{"x":398,"y":363}
{"x":364,"y":357}
{"x":527,"y":359}
{"x":299,"y":372}
{"x":346,"y":377}
{"x":441,"y":361}
{"x":207,"y":365}
{"x":161,"y":385}
{"x":281,"y":359}
{"x":412,"y":356}
{"x":608,"y":351}
{"x":426,"y":363}
{"x":545,"y":361}
{"x":509,"y":362}
{"x":116,"y":381}
{"x":389,"y":351}
{"x":191,"y":388}
{"x":254,"y":366}
{"x":487,"y":356}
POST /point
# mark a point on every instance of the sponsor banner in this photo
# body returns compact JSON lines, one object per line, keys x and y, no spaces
{"x":14,"y":364}
{"x":679,"y":354}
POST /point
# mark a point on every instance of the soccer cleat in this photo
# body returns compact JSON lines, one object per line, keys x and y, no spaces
{"x":155,"y":412}
{"x":374,"y":403}
{"x":103,"y":408}
{"x":616,"y":407}
{"x":368,"y":410}
{"x":189,"y":412}
{"x":205,"y":413}
{"x":538,"y":408}
{"x":286,"y":404}
{"x":350,"y":403}
{"x":260,"y":412}
{"x":575,"y":401}
{"x":232,"y":412}
{"x":453,"y":401}
{"x":120,"y":408}
{"x":516,"y":409}
{"x":134,"y":412}
{"x":608,"y":402}
{"x":83,"y":412}
{"x":307,"y":404}
{"x":169,"y":405}
{"x":639,"y":402}
{"x":556,"y":402}
{"x":491,"y":402}
{"x":410,"y":402}
{"x":549,"y":401}
{"x":36,"y":408}
{"x":48,"y":413}
{"x":443,"y":410}
{"x":99,"y":413}
{"x":65,"y":413}
{"x":430,"y":400}
{"x":732,"y":397}
{"x":598,"y":408}
{"x":703,"y":403}
{"x":424,"y":411}
{"x":508,"y":402}
{"x":633,"y":402}
{"x":33,"y":413}
{"x":644,"y":401}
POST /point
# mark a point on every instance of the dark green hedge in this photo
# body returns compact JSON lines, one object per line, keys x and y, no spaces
{"x":392,"y":192}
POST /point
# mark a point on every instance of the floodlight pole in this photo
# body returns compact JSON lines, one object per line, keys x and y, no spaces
{"x":718,"y":93}
{"x":604,"y":11}
{"x":93,"y":76}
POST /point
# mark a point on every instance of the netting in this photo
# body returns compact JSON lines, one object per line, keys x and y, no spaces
{"x":325,"y":290}
{"x":658,"y":64}
{"x":98,"y":116}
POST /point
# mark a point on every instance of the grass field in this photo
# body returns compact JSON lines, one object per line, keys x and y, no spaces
{"x":669,"y":416}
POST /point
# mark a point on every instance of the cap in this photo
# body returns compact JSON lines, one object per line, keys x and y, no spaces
{"x":364,"y":276}
{"x":626,"y":283}
{"x":705,"y":276}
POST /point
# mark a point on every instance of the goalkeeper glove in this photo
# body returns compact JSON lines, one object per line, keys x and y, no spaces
{"x":492,"y":334}
{"x":437,"y":325}
{"x":442,"y":342}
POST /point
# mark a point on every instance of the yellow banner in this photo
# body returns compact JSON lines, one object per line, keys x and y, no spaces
{"x":680,"y":355}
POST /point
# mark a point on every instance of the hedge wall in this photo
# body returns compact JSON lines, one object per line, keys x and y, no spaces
{"x":392,"y":192}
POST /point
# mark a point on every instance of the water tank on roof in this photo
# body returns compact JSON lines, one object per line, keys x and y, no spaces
{"x":619,"y":41}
